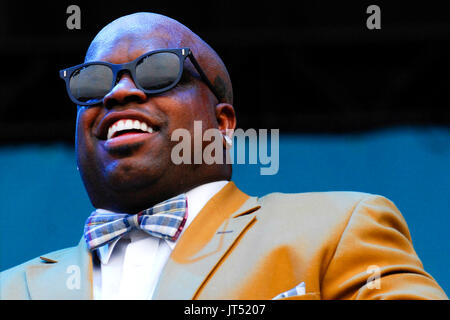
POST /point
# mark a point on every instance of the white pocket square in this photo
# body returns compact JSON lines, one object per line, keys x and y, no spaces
{"x":299,"y":290}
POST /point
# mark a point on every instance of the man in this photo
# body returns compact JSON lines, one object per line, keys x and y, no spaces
{"x":332,"y":245}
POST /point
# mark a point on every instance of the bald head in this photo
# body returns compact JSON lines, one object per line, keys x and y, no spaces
{"x":162,"y":32}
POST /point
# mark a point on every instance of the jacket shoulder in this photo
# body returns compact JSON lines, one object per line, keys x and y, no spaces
{"x":311,"y":215}
{"x":331,"y":202}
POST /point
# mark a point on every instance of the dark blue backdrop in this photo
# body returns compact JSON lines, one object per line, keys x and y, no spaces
{"x":44,"y":205}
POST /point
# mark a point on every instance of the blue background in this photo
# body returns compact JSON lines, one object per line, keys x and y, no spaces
{"x":44,"y":205}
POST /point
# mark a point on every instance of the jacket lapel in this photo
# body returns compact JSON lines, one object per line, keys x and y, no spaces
{"x":67,"y":272}
{"x":205,"y":244}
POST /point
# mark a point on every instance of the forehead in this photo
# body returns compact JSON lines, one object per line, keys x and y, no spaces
{"x":126,"y":44}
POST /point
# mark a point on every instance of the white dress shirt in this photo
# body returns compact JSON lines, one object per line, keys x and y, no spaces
{"x":130,"y":267}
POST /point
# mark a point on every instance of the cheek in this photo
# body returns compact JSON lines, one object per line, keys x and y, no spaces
{"x":83,"y":136}
{"x":189,"y":105}
{"x":86,"y":118}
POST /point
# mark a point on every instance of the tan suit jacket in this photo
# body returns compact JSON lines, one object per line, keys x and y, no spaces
{"x":242,"y":247}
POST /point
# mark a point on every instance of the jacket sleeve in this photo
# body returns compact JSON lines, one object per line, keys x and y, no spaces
{"x":375,"y":258}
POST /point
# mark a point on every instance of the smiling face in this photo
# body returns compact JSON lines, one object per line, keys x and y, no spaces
{"x":124,"y":144}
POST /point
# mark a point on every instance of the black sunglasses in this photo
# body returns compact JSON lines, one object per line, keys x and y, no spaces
{"x":153,"y":72}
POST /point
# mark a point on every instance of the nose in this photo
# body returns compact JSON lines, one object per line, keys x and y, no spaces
{"x":124,"y":91}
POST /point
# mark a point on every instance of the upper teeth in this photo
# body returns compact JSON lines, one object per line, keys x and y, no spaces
{"x":128,"y":124}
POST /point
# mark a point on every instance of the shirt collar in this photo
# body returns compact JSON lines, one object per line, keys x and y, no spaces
{"x":196,"y":198}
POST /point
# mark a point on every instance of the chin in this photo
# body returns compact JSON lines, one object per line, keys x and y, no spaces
{"x":131,"y":180}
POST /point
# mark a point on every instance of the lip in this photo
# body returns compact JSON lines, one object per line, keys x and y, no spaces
{"x":128,"y":139}
{"x":102,"y":129}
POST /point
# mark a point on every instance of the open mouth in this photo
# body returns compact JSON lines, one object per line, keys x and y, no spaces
{"x":126,"y":130}
{"x":128,"y":126}
{"x":125,"y":135}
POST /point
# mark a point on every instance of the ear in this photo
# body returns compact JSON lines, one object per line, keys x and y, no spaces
{"x":226,"y":118}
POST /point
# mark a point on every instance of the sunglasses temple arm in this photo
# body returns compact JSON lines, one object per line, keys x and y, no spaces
{"x":204,"y":77}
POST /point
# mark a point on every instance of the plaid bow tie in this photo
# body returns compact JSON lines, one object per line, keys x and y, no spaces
{"x":164,"y":220}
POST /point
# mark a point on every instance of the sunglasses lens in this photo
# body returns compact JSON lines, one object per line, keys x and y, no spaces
{"x":91,"y":83}
{"x":158,"y":71}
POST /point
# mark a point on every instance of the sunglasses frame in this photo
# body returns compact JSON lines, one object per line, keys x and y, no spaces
{"x":182,"y":54}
